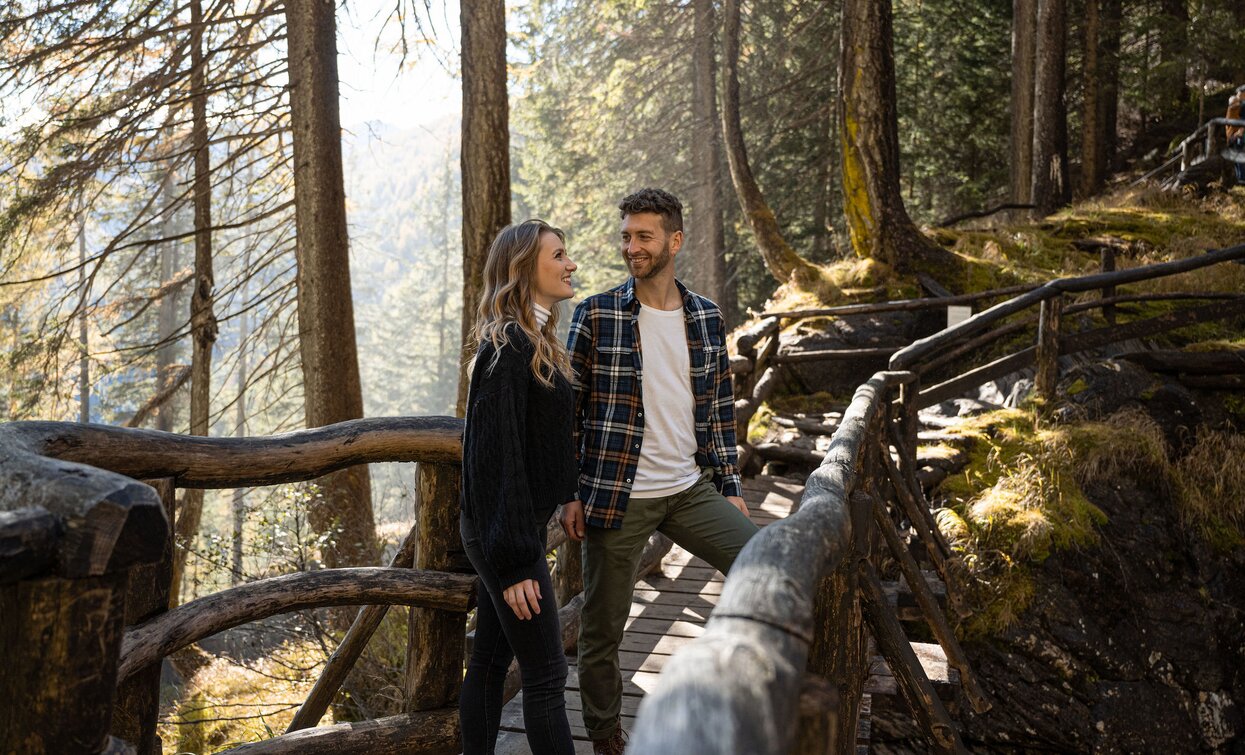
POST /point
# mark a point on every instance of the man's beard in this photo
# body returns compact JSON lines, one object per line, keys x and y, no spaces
{"x":658,"y":263}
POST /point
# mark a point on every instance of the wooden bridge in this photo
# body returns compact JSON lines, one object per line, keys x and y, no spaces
{"x":780,"y":658}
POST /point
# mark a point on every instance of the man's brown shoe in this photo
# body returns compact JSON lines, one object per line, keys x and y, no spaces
{"x":614,"y":744}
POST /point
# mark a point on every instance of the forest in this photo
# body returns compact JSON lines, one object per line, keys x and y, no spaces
{"x":198,"y":237}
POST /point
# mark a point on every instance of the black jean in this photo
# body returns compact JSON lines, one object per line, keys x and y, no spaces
{"x":500,"y":637}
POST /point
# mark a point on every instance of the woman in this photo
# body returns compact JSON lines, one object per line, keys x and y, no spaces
{"x":518,"y":466}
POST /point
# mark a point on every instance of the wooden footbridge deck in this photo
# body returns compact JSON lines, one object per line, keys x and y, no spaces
{"x":782,"y":657}
{"x":668,"y":610}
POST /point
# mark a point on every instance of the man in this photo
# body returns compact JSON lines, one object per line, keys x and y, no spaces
{"x":655,"y":424}
{"x":1236,"y":134}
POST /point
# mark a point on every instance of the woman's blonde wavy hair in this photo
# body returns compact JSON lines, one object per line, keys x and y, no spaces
{"x":507,"y":298}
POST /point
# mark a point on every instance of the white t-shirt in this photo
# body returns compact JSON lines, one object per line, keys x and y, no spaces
{"x":668,"y":451}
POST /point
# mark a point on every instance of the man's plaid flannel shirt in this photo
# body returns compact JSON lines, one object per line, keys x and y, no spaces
{"x":604,"y":346}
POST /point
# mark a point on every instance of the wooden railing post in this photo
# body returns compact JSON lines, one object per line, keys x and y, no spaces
{"x":1108,"y":266}
{"x":1048,"y":347}
{"x":436,"y":638}
{"x":69,"y":535}
{"x":137,"y":711}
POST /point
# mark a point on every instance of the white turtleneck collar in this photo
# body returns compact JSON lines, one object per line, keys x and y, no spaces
{"x":542,"y":315}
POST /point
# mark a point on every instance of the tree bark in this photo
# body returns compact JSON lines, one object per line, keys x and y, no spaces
{"x":485,"y":155}
{"x":1050,"y":121}
{"x":202,"y":319}
{"x":84,"y":345}
{"x":877,"y":220}
{"x":167,"y":315}
{"x":1093,"y":148}
{"x":326,"y":332}
{"x":1173,"y":30}
{"x":1111,"y":14}
{"x":780,"y":259}
{"x":239,"y":494}
{"x":705,"y":250}
{"x":1024,"y":40}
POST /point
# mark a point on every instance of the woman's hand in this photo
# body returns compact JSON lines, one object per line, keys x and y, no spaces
{"x":523,"y":598}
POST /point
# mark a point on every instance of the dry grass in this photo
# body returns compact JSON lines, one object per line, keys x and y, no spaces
{"x":1210,"y":486}
{"x":226,"y":704}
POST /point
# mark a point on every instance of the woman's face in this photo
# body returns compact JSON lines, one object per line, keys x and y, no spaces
{"x":551,"y":281}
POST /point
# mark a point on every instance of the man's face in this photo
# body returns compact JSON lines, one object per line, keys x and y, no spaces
{"x":646,"y":247}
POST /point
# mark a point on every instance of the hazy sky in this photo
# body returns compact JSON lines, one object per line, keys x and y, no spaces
{"x":374,"y":85}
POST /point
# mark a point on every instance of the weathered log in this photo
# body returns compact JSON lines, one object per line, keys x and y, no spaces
{"x":736,"y":688}
{"x":59,"y":640}
{"x":191,"y":622}
{"x":978,"y":376}
{"x":904,"y":305}
{"x":568,"y":575}
{"x":928,"y":602}
{"x":199,"y":462}
{"x":748,"y":338}
{"x":745,"y":408}
{"x":973,"y":345}
{"x":1213,"y":382}
{"x":431,"y":732}
{"x":808,"y":427}
{"x":137,"y":711}
{"x":828,"y":355}
{"x":28,"y":540}
{"x":920,"y":520}
{"x":105,"y":522}
{"x":819,"y":717}
{"x":740,"y":365}
{"x":787,"y":454}
{"x":1047,"y":357}
{"x":1092,"y":339}
{"x":918,"y":350}
{"x":1223,"y":362}
{"x":436,"y":638}
{"x":339,"y":664}
{"x":915,"y":687}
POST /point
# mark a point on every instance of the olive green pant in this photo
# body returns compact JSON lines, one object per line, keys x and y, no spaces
{"x":701,"y":521}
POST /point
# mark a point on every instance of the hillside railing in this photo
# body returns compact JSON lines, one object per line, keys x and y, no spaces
{"x":788,"y":633}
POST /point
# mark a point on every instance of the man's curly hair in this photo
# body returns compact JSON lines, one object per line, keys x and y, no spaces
{"x":657,"y":201}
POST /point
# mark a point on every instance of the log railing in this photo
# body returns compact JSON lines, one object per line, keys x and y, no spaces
{"x":82,"y":543}
{"x":75,"y":522}
{"x":787,"y":637}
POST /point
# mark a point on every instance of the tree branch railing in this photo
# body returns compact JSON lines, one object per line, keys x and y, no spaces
{"x":75,"y":522}
{"x":785,"y":615}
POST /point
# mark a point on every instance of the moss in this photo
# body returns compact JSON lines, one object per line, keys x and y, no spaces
{"x":760,"y":424}
{"x":1078,"y":386}
{"x":815,"y":403}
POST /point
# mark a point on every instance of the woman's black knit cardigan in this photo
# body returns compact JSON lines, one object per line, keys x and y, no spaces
{"x":518,"y":457}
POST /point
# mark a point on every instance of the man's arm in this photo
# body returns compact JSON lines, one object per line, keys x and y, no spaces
{"x":579,"y":345}
{"x":722,"y":421}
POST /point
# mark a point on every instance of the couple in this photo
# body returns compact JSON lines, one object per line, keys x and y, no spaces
{"x":630,"y":429}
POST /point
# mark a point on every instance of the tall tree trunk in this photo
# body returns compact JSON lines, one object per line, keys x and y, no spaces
{"x":877,"y":220}
{"x":1050,"y":121}
{"x":84,"y":345}
{"x":485,"y":155}
{"x":202,"y":319}
{"x":1173,"y":30}
{"x":239,"y":494}
{"x":1093,"y":147}
{"x":326,"y":332}
{"x":705,"y":250}
{"x":1112,"y":13}
{"x":166,"y":318}
{"x":781,"y":260}
{"x":1024,"y":47}
{"x":443,"y":323}
{"x":1237,"y":66}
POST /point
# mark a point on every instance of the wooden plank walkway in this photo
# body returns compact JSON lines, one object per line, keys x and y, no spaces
{"x":668,"y":610}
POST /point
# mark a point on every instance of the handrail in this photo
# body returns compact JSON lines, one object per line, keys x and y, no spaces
{"x":737,"y":687}
{"x":207,"y":462}
{"x":908,"y":356}
{"x":747,"y":666}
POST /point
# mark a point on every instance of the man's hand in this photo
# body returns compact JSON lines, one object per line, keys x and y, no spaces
{"x":571,"y":517}
{"x":738,"y":503}
{"x":523,"y":598}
